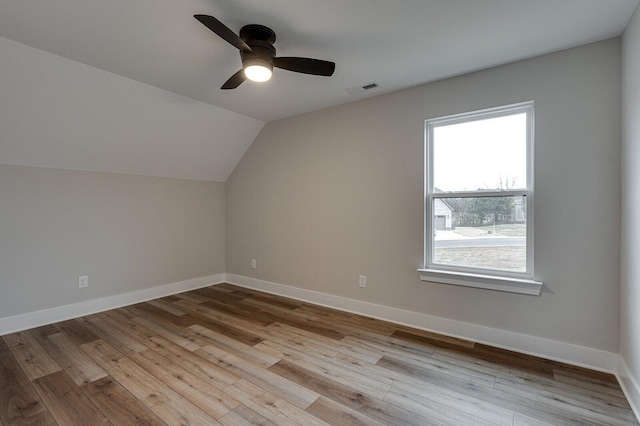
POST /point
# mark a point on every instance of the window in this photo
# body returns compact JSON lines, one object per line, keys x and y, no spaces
{"x":479,"y":199}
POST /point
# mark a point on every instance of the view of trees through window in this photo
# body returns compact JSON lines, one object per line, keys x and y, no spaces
{"x":483,"y":232}
{"x":478,"y":187}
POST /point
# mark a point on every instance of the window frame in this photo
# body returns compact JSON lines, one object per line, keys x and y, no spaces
{"x":494,"y":279}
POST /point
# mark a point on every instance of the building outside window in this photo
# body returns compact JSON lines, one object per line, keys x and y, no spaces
{"x":479,"y":197}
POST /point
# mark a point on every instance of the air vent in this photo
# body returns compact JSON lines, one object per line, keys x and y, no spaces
{"x":361,"y":89}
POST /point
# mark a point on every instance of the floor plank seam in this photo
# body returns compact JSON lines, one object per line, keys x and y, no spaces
{"x":227,"y":355}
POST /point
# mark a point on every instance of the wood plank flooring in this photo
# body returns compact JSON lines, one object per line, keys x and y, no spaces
{"x":225,"y":355}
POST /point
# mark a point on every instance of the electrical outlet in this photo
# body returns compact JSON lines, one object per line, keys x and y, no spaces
{"x":253,"y":264}
{"x":83,"y":282}
{"x":362,"y":281}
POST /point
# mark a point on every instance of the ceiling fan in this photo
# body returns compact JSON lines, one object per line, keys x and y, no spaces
{"x":258,"y":55}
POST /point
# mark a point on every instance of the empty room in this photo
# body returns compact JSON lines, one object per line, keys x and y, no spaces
{"x":420,"y":212}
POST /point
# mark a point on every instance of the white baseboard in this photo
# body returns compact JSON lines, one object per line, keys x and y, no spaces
{"x":629,"y":386}
{"x":75,"y":310}
{"x":594,"y":359}
{"x":581,"y":356}
{"x":550,"y":349}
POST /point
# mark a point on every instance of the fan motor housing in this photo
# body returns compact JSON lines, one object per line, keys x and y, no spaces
{"x":260,"y":49}
{"x":257,"y":32}
{"x":260,"y":39}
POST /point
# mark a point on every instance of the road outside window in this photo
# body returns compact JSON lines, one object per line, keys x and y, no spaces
{"x":479,"y":192}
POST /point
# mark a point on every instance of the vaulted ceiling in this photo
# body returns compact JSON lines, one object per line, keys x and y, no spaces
{"x":133,"y":86}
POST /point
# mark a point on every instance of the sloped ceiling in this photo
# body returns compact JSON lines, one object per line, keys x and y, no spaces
{"x":133,"y":87}
{"x":60,"y":114}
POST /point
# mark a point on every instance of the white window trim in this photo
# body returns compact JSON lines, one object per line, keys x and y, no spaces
{"x":488,"y":282}
{"x":491,"y":279}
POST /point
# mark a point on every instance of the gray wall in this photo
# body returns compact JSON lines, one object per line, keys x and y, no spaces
{"x":125,"y":232}
{"x":630,"y":226}
{"x":323,"y":197}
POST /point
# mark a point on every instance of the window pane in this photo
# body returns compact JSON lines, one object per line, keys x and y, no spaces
{"x":481,"y":232}
{"x":481,"y":154}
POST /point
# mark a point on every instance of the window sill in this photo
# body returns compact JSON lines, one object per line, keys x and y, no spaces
{"x":489,"y":282}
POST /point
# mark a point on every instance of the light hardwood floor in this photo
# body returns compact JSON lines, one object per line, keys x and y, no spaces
{"x":232,"y":356}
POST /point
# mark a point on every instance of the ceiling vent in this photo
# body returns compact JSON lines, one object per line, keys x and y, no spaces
{"x":361,"y":89}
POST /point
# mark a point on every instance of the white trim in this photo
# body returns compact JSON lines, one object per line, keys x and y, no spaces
{"x":555,"y":350}
{"x":430,"y":191}
{"x":494,"y":112}
{"x":489,"y":282}
{"x":482,"y":193}
{"x":629,"y":386}
{"x":75,"y":310}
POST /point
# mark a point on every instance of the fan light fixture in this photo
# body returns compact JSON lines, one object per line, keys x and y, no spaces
{"x":258,"y":69}
{"x":258,"y":55}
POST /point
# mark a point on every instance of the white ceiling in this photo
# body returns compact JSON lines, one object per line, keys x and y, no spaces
{"x":133,"y":86}
{"x":398,"y":43}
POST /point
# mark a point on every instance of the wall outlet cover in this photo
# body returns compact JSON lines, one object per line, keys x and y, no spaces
{"x":362,"y":281}
{"x":83,"y":282}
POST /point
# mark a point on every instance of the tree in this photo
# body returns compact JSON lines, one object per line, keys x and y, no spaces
{"x":478,"y":211}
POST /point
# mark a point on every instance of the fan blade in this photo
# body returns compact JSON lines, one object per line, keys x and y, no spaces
{"x":223,"y":31}
{"x":236,"y":80}
{"x":305,"y":65}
